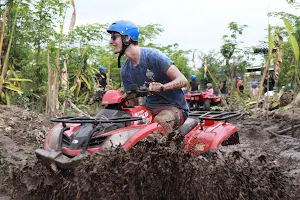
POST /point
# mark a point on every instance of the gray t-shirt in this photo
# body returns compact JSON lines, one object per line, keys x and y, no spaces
{"x":152,"y":67}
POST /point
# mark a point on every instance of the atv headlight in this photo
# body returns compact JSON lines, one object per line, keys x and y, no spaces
{"x":53,"y":137}
{"x":192,"y":98}
{"x":119,"y":138}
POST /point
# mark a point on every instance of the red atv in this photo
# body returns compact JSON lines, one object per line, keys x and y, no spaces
{"x":198,"y":100}
{"x":121,"y":125}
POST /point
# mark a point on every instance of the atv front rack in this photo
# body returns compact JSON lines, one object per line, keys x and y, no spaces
{"x":214,"y":115}
{"x":81,"y":120}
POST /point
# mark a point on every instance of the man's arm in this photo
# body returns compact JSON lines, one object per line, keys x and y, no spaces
{"x":178,"y":79}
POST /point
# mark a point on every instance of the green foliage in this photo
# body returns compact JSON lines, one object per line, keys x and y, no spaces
{"x":86,"y":47}
{"x":178,"y":56}
{"x":294,"y":72}
{"x":291,"y":31}
{"x":292,"y":38}
{"x":149,"y":33}
{"x":236,"y":59}
{"x":230,"y":42}
{"x":38,"y":40}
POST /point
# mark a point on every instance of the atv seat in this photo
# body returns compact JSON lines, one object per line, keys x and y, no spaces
{"x":187,"y":126}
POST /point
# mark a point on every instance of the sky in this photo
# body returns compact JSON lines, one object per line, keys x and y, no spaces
{"x":193,"y":24}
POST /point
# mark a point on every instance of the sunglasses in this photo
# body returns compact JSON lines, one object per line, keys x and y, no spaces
{"x":114,"y":37}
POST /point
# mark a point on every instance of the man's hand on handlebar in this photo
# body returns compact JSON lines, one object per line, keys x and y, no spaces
{"x":155,"y":87}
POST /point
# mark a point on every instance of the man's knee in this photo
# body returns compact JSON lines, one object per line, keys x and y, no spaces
{"x":164,"y":116}
{"x":166,"y":119}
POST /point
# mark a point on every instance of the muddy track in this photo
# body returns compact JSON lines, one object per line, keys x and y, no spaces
{"x":261,"y":167}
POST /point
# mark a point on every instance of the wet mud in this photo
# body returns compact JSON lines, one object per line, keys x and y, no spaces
{"x":263,"y":166}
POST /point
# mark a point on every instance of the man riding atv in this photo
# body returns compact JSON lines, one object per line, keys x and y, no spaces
{"x":148,"y":67}
{"x":119,"y":124}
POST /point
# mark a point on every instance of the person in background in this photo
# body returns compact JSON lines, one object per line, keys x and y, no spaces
{"x":101,"y":77}
{"x":194,"y":84}
{"x":223,"y":89}
{"x":254,"y":89}
{"x":271,"y":81}
{"x":240,"y":85}
{"x":209,"y":89}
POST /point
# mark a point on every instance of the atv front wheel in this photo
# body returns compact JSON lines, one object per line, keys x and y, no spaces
{"x":232,"y":140}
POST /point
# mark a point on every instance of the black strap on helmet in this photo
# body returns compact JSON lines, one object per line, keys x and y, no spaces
{"x":124,"y":47}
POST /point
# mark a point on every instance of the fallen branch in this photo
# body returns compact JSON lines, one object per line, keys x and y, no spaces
{"x":239,"y":117}
{"x":77,"y":109}
{"x":281,"y":136}
{"x":288,"y":129}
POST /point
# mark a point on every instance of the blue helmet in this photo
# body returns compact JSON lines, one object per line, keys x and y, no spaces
{"x":254,"y":83}
{"x":221,"y":71}
{"x":193,"y":77}
{"x":125,"y":27}
{"x":100,"y":68}
{"x":239,"y":78}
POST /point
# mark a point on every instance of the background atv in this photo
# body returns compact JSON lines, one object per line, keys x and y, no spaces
{"x":120,"y":125}
{"x":201,"y":100}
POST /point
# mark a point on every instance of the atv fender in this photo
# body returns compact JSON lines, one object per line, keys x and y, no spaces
{"x":143,"y":133}
{"x":227,"y":131}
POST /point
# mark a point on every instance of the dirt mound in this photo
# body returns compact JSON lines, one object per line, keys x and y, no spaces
{"x":21,"y":131}
{"x":154,"y":171}
{"x":286,"y":98}
{"x":22,"y":126}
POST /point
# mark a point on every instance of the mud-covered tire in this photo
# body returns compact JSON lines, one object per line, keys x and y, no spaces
{"x":192,"y":105}
{"x":232,"y":140}
{"x":206,"y":105}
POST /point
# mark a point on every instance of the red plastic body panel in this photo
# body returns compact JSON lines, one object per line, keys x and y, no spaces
{"x":112,"y":97}
{"x":210,"y":137}
{"x":73,"y":128}
{"x":143,"y":133}
{"x":140,"y":111}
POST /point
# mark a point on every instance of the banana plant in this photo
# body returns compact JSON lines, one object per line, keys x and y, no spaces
{"x":295,"y":67}
{"x":83,"y":75}
{"x":295,"y":71}
{"x":11,"y":85}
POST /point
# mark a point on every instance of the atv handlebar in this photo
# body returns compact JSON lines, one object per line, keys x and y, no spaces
{"x":141,"y":93}
{"x":214,"y":115}
{"x":80,"y":120}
